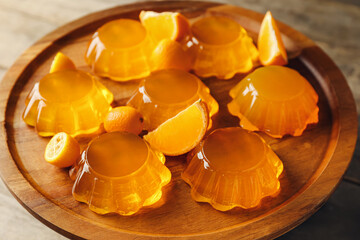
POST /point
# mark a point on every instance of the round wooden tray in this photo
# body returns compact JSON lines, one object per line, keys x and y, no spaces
{"x":314,"y":162}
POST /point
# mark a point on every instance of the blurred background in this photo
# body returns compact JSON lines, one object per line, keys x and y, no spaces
{"x":333,"y":24}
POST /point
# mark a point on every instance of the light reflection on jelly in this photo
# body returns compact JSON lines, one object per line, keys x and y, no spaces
{"x":120,"y":173}
{"x":276,"y":100}
{"x":68,"y":101}
{"x":231,"y":168}
{"x":165,"y":93}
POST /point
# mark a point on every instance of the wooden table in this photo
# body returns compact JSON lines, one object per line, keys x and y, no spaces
{"x":332,"y":24}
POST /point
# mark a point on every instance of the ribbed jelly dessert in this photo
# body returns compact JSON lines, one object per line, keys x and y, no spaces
{"x":120,"y":50}
{"x":276,"y":100}
{"x":68,"y":101}
{"x":120,"y":173}
{"x":165,"y":93}
{"x":223,"y":47}
{"x":231,"y":168}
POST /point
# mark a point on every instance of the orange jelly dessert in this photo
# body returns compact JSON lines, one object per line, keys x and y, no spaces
{"x":223,"y":48}
{"x":276,"y":100}
{"x":120,"y":50}
{"x":120,"y":173}
{"x":231,"y":168}
{"x":167,"y":92}
{"x":68,"y":101}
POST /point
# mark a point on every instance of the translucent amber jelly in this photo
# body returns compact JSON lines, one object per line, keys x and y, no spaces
{"x":231,"y":168}
{"x":120,"y":173}
{"x":68,"y":101}
{"x":120,"y":50}
{"x":276,"y":100}
{"x":222,"y":48}
{"x":165,"y":93}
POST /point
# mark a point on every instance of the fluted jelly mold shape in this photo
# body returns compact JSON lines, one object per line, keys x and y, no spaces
{"x":120,"y":173}
{"x":222,"y":48}
{"x":70,"y":101}
{"x":276,"y":100}
{"x":167,"y":92}
{"x":231,"y":168}
{"x":120,"y":50}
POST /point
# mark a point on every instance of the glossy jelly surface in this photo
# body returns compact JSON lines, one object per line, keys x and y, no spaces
{"x":68,"y":101}
{"x":165,"y":93}
{"x":120,"y":173}
{"x":276,"y":100}
{"x":231,"y":168}
{"x":120,"y":50}
{"x":223,"y":48}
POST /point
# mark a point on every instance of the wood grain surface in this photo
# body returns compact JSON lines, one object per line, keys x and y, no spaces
{"x":35,"y":72}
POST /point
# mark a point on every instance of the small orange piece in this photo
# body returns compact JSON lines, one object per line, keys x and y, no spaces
{"x":124,"y":118}
{"x":165,"y":25}
{"x":62,"y":150}
{"x":181,"y":133}
{"x":170,"y":54}
{"x":270,"y":45}
{"x":61,"y":62}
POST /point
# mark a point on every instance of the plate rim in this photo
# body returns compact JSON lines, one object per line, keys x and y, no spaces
{"x":15,"y":176}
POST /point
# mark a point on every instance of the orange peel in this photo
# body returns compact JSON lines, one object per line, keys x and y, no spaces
{"x":124,"y":118}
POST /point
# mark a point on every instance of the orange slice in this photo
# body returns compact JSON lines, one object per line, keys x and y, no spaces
{"x":124,"y":118}
{"x":165,"y":25}
{"x":61,"y":62}
{"x":270,"y":45}
{"x":181,"y":133}
{"x":62,"y":150}
{"x":170,"y":54}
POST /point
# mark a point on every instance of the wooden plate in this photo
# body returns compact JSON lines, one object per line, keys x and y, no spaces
{"x":314,"y":162}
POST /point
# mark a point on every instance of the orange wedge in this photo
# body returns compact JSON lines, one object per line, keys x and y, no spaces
{"x":165,"y":25}
{"x":170,"y":54}
{"x":61,"y":62}
{"x":270,"y":45}
{"x":62,"y":150}
{"x":181,"y":133}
